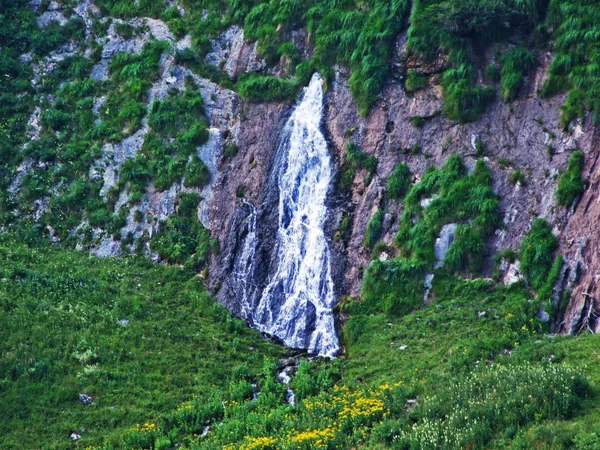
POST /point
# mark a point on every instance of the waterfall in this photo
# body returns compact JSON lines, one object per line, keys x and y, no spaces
{"x":244,"y":264}
{"x":296,"y":304}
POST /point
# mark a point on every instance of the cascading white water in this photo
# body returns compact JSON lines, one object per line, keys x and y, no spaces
{"x":244,"y":264}
{"x":296,"y":305}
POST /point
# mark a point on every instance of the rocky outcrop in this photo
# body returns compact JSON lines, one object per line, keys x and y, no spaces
{"x":579,"y":243}
{"x":516,"y":136}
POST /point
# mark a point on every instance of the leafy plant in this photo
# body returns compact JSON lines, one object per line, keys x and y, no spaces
{"x":399,"y":181}
{"x":571,"y":184}
{"x":537,"y":253}
{"x":374,"y":228}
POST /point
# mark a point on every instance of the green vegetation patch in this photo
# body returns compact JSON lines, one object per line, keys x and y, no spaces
{"x":476,"y":372}
{"x":399,"y":181}
{"x":445,"y":195}
{"x":130,"y":76}
{"x":355,"y":160}
{"x":537,"y":253}
{"x":138,"y":338}
{"x":515,"y":64}
{"x":182,"y":238}
{"x":454,"y":27}
{"x":576,"y":65}
{"x":571,"y":184}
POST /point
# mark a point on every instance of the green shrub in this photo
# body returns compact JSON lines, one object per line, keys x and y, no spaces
{"x":196,"y":173}
{"x":396,"y":286}
{"x":417,"y":121}
{"x":516,"y":63}
{"x":571,"y":184}
{"x":537,"y":253}
{"x":516,"y":176}
{"x":545,"y":292}
{"x":231,"y":150}
{"x":415,"y":82}
{"x":574,"y":28}
{"x":399,"y":181}
{"x":374,"y":228}
{"x":479,"y":147}
{"x":355,"y":160}
{"x":265,"y":88}
{"x":182,"y":238}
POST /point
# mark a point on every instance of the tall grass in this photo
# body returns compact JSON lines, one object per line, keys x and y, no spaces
{"x":537,"y":253}
{"x":571,"y":184}
{"x":576,"y":65}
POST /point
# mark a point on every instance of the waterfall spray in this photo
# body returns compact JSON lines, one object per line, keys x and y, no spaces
{"x":296,"y":305}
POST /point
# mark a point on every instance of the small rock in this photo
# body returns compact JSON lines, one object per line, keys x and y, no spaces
{"x":86,"y":399}
{"x":544,"y":316}
{"x":124,"y":322}
{"x":513,"y":274}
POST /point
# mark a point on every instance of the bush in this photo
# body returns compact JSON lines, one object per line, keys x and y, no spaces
{"x":537,"y":253}
{"x":265,"y":88}
{"x":571,"y":184}
{"x":417,"y":121}
{"x":355,"y":160}
{"x":182,"y":238}
{"x":399,"y":181}
{"x":414,"y":82}
{"x":575,"y":65}
{"x":373,"y":229}
{"x":516,"y":176}
{"x":515,"y":64}
{"x":196,"y":173}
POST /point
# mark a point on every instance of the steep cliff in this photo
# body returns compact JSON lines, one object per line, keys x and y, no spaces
{"x":102,"y":158}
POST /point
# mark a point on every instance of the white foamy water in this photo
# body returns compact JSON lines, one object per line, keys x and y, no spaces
{"x":296,"y":305}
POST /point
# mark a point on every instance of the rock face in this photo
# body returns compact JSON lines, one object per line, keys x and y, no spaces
{"x":579,"y":243}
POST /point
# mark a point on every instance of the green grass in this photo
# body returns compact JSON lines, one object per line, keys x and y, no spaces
{"x":60,"y":336}
{"x":354,"y":161}
{"x":374,"y":228}
{"x":399,"y":181}
{"x":477,"y":362}
{"x":396,"y":286}
{"x":182,"y":238}
{"x":575,"y":66}
{"x":571,"y":184}
{"x":414,"y":81}
{"x":516,"y":63}
{"x":537,"y":253}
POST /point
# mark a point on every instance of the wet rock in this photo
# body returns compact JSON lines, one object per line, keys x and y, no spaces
{"x":443,"y":243}
{"x":512,"y":274}
{"x":86,"y":399}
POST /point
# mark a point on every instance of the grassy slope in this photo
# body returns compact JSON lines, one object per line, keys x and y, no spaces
{"x":450,"y":339}
{"x":433,"y":354}
{"x":59,"y":337}
{"x":60,"y":313}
